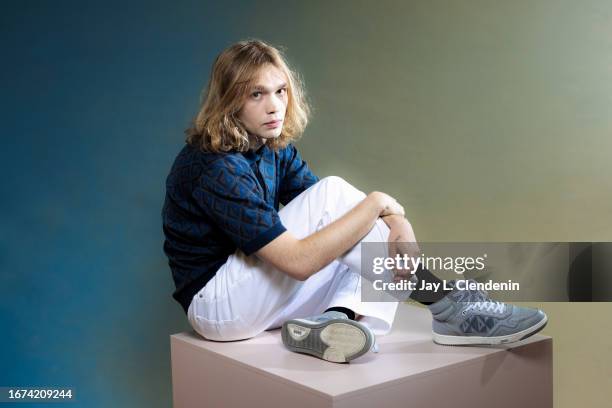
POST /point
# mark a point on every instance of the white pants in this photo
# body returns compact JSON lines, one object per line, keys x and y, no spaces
{"x":248,"y":296}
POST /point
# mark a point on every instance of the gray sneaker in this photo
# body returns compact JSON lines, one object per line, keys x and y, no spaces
{"x":469,"y":317}
{"x":331,"y":336}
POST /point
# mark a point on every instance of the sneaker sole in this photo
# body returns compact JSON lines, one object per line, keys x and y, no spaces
{"x":446,"y":340}
{"x":336,"y":340}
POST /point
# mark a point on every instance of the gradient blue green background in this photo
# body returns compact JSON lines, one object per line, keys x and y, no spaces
{"x":488,"y":120}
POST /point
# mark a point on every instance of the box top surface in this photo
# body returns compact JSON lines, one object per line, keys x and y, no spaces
{"x":405,"y":352}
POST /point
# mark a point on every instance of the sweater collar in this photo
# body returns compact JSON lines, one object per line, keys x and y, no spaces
{"x":255,"y":155}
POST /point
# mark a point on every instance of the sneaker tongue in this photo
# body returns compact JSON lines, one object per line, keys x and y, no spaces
{"x":456,"y":294}
{"x":465,"y":295}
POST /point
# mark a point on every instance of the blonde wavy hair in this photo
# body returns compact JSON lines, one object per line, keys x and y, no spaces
{"x":216,"y":127}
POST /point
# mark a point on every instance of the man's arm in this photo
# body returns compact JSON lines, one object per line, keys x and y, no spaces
{"x":401,"y":230}
{"x":301,"y":258}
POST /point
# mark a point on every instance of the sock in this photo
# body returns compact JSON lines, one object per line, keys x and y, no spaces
{"x":427,"y":297}
{"x":346,"y":311}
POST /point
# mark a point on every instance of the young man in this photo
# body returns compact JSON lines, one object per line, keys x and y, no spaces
{"x":242,"y":266}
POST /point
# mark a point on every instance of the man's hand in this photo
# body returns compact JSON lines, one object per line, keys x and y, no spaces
{"x":388,"y":205}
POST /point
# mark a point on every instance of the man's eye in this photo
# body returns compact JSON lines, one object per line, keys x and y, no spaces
{"x":256,"y":94}
{"x":282,"y":91}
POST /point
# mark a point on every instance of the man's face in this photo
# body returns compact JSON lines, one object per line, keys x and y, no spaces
{"x":263,"y":113}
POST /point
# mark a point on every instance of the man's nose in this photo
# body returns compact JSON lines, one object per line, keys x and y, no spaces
{"x":273,"y":105}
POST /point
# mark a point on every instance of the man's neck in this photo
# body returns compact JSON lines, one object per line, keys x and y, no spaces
{"x":255,"y":142}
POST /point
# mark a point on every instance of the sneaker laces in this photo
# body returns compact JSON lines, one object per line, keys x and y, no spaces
{"x":472,"y":295}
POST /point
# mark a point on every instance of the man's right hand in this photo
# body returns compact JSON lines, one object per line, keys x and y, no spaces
{"x":387,"y":204}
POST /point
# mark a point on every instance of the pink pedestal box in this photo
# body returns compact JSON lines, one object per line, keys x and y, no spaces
{"x":409,"y":371}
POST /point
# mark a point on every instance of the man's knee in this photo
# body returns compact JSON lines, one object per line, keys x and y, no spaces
{"x":339,"y":185}
{"x":335,"y":181}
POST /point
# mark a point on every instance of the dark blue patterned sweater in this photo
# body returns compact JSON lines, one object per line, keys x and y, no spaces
{"x":218,"y":202}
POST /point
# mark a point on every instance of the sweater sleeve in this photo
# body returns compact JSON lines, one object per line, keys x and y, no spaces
{"x":297,"y":176}
{"x":230,"y":195}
